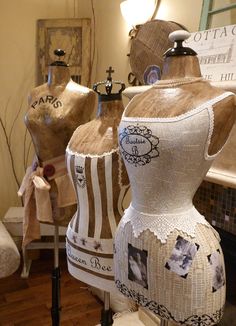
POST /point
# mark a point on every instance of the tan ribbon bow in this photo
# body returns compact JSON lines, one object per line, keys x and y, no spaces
{"x":35,"y":190}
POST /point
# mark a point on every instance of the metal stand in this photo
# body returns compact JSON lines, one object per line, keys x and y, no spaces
{"x":106,"y":313}
{"x":55,"y":310}
{"x":26,"y":263}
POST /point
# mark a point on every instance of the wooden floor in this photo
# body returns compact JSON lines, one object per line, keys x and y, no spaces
{"x":27,"y":302}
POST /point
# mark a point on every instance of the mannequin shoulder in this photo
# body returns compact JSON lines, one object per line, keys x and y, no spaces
{"x":94,"y":138}
{"x":173,"y":101}
{"x":82,"y":97}
{"x":227,"y":100}
{"x":37,"y":91}
{"x":79,"y":89}
{"x":224,"y":113}
{"x":161,"y":103}
{"x":223,"y":106}
{"x":81,"y":133}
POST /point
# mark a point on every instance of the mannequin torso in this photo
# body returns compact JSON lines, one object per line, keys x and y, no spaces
{"x":100,"y":135}
{"x":99,"y":177}
{"x":186,"y":94}
{"x":169,"y":136}
{"x":55,"y":110}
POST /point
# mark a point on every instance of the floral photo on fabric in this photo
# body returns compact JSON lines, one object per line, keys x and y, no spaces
{"x":218,"y":277}
{"x":137,"y":266}
{"x":182,"y":256}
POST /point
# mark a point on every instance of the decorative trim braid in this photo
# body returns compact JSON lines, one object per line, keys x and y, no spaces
{"x":71,"y":152}
{"x":176,"y":82}
{"x":164,"y":313}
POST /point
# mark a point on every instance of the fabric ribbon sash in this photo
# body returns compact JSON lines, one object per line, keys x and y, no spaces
{"x":35,"y":189}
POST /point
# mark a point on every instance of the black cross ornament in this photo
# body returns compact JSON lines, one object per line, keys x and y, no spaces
{"x":110,"y":71}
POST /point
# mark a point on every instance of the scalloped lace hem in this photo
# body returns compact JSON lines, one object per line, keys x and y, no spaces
{"x":71,"y":152}
{"x":163,"y":225}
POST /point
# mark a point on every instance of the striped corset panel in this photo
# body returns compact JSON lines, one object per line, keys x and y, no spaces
{"x":101,"y":183}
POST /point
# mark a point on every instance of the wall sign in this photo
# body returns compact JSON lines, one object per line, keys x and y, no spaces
{"x":216,"y":49}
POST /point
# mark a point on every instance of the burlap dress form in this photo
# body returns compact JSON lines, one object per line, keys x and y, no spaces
{"x":167,"y":256}
{"x":100,"y":180}
{"x":56,"y":109}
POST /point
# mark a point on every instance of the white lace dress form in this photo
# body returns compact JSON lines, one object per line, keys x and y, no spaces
{"x":167,"y":256}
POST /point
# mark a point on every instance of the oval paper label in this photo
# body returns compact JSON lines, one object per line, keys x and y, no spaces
{"x":138,"y":145}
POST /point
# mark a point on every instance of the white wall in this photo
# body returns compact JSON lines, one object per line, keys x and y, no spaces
{"x":185,"y":12}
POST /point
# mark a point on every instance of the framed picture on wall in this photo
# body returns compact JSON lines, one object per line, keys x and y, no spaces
{"x":71,"y":35}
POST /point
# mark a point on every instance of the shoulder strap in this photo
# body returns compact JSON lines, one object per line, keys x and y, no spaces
{"x":219,"y":98}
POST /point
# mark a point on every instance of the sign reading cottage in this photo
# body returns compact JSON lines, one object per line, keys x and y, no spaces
{"x":216,"y":49}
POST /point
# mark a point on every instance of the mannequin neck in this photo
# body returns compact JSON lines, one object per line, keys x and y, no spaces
{"x":110,"y":109}
{"x":184,"y":66}
{"x":58,"y":76}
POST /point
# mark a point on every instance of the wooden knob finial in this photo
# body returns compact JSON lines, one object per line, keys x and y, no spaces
{"x":180,"y":35}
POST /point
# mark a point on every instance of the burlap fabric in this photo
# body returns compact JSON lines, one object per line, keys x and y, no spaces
{"x":149,"y":45}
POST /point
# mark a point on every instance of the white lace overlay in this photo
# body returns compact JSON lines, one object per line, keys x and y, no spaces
{"x":163,"y":225}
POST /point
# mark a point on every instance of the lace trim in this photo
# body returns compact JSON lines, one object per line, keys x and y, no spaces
{"x":70,"y":152}
{"x":163,"y":225}
{"x":211,"y":129}
{"x":177,"y":82}
{"x":120,"y":171}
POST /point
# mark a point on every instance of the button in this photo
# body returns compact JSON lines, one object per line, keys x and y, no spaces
{"x":49,"y":170}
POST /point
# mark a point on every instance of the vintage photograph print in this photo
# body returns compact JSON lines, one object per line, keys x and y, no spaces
{"x":137,"y":266}
{"x":218,"y":276}
{"x":182,"y":257}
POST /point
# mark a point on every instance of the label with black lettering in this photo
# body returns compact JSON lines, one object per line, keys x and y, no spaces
{"x":47,"y":99}
{"x":138,"y":145}
{"x":91,"y":262}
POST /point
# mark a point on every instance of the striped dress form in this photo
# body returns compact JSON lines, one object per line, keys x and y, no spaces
{"x":100,"y":182}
